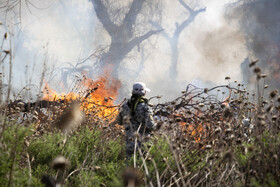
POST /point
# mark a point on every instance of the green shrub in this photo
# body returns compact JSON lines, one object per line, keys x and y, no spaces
{"x":86,"y":151}
{"x":11,"y":149}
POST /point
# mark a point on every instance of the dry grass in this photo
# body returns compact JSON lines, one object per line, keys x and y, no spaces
{"x":220,"y":136}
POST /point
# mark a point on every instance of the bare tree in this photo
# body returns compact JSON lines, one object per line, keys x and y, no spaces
{"x":11,"y":10}
{"x":79,"y":68}
{"x":174,"y":38}
{"x":123,"y":37}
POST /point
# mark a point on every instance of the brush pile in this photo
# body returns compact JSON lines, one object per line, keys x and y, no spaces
{"x":220,"y":136}
{"x":229,"y":141}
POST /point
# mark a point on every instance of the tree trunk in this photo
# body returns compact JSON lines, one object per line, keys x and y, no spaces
{"x":173,"y":72}
{"x":174,"y":39}
{"x":122,"y":36}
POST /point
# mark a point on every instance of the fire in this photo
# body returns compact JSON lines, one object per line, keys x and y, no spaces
{"x":195,"y":131}
{"x":192,"y":129}
{"x":96,"y":99}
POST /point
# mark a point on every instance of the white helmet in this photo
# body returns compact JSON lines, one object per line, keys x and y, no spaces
{"x":140,"y":89}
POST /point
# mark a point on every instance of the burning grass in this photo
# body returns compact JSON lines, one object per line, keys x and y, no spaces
{"x":220,"y":136}
{"x":95,"y":96}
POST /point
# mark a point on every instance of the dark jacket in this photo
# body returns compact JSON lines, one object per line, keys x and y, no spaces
{"x":136,"y":113}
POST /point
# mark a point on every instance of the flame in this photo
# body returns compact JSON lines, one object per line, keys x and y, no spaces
{"x":194,"y":131}
{"x":96,"y":100}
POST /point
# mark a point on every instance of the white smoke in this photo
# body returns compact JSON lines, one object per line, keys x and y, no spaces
{"x":57,"y":33}
{"x":64,"y":27}
{"x":68,"y":31}
{"x":209,"y":49}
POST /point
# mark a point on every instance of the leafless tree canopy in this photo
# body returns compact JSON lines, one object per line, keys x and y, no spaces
{"x":126,"y":26}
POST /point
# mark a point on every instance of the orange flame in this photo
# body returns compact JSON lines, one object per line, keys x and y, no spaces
{"x":193,"y":131}
{"x":97,"y":100}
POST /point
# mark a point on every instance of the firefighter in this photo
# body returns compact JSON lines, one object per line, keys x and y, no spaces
{"x":136,"y":117}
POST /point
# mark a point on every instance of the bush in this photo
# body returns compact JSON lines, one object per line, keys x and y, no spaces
{"x":12,"y":149}
{"x":93,"y":160}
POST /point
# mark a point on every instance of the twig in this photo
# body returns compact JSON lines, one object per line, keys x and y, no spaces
{"x":223,"y":175}
{"x":13,"y":157}
{"x":145,"y":167}
{"x":135,"y":146}
{"x":29,"y":169}
{"x":157,"y":174}
{"x":176,"y":159}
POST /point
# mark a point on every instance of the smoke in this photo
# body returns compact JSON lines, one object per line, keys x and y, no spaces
{"x":259,"y":21}
{"x":64,"y":32}
{"x":210,"y":49}
{"x":65,"y":27}
{"x":55,"y":33}
{"x":218,"y":54}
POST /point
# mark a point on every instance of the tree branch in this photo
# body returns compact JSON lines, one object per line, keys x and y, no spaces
{"x":130,"y":17}
{"x":104,"y":17}
{"x":190,"y":19}
{"x":185,"y":5}
{"x":138,"y":40}
{"x":158,"y":26}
